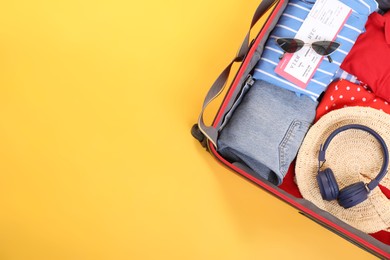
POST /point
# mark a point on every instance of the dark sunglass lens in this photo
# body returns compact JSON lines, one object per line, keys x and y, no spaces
{"x":308,"y":2}
{"x":290,"y":45}
{"x":325,"y":47}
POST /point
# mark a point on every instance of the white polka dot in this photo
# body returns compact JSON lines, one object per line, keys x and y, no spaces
{"x":334,"y":105}
{"x":348,"y":87}
{"x":336,"y":87}
{"x":326,"y":108}
{"x":352,"y":98}
{"x":364,"y":99}
{"x":358,"y":89}
{"x":369,"y":91}
{"x":341,"y":96}
{"x":374,"y":100}
{"x":331,"y":98}
{"x":386,"y":103}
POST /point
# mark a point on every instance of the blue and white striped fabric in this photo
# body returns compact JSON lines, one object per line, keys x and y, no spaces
{"x":288,"y":25}
{"x":342,"y":74}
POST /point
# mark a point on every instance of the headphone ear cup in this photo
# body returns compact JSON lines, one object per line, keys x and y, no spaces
{"x":353,"y":194}
{"x":328,"y":185}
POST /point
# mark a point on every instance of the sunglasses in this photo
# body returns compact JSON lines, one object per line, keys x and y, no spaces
{"x":308,"y":2}
{"x":323,"y":48}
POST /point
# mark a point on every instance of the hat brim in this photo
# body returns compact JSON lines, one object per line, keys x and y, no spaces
{"x":353,"y":156}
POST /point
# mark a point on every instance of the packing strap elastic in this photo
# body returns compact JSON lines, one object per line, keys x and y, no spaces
{"x":211,"y":132}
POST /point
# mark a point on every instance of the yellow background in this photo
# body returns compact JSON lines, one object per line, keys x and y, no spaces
{"x":97,"y":99}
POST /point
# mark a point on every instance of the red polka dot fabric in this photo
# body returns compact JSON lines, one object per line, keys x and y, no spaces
{"x":343,"y":93}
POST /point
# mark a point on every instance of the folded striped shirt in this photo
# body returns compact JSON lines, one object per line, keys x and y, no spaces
{"x":288,"y":25}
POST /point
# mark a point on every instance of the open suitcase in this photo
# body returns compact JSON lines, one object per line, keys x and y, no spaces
{"x":248,"y":57}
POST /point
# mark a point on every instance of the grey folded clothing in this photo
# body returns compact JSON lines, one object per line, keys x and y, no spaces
{"x":267,"y":129}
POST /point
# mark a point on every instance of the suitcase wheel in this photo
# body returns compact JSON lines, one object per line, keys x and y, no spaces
{"x":198,"y":135}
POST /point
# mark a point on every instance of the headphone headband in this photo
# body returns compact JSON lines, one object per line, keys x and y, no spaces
{"x":373,"y":183}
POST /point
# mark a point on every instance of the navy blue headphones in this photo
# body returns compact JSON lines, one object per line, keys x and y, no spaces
{"x":357,"y":192}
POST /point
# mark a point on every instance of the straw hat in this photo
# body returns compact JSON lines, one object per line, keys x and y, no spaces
{"x":353,"y":156}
